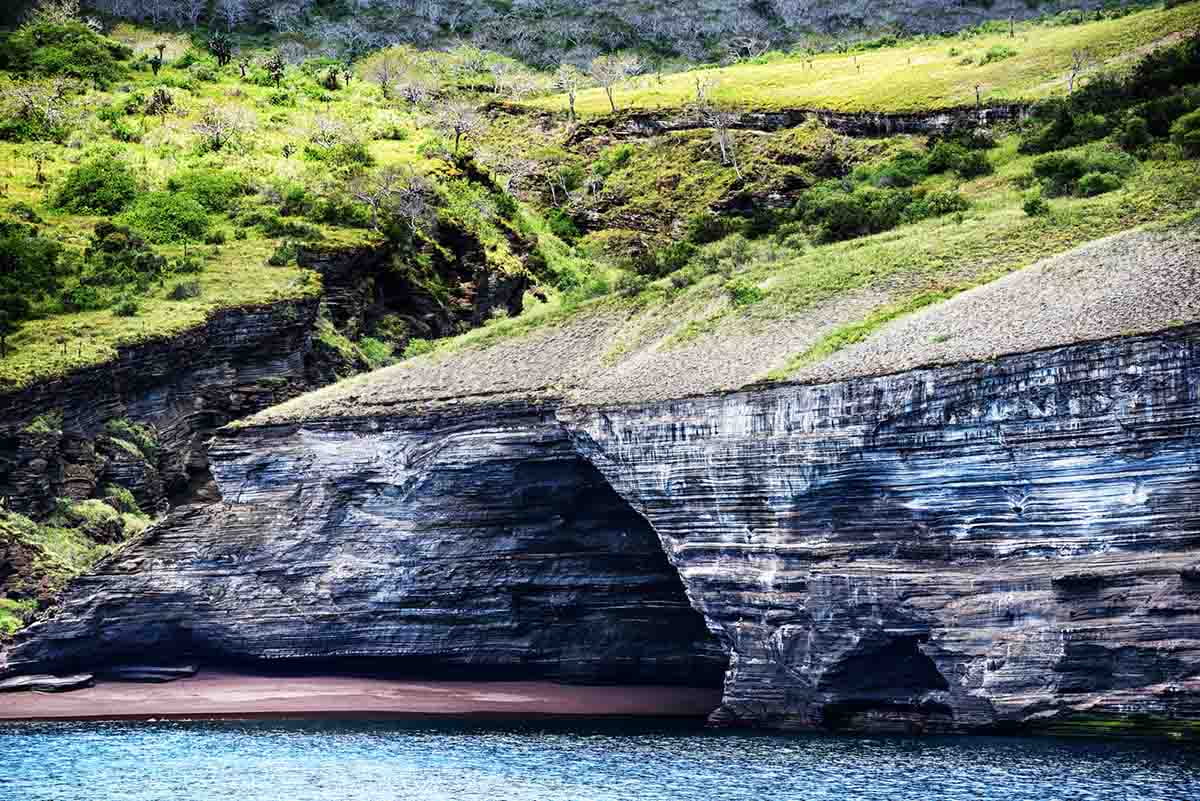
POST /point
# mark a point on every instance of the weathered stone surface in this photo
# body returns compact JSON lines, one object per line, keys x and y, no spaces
{"x":641,"y":124}
{"x":468,"y":541}
{"x":985,"y":544}
{"x":46,"y":684}
{"x":148,"y":674}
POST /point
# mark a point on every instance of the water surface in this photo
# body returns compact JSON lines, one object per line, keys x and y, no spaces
{"x":625,"y":761}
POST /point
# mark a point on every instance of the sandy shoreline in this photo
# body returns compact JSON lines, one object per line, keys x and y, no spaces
{"x":230,"y":695}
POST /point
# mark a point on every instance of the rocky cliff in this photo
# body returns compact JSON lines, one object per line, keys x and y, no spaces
{"x":971,"y":547}
{"x":467,"y":541}
{"x":1008,"y":538}
{"x":984,"y":544}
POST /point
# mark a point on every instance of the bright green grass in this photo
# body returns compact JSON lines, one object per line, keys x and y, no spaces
{"x":237,"y":274}
{"x":913,"y":77}
{"x":14,"y":615}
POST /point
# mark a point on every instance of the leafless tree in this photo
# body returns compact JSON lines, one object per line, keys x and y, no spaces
{"x":328,"y":132}
{"x":219,"y":125}
{"x":231,"y":12}
{"x":514,"y":167}
{"x":1081,"y":62}
{"x":193,"y":10}
{"x":743,"y":47}
{"x":384,"y":70}
{"x":399,"y":192}
{"x":43,"y":104}
{"x":608,"y":71}
{"x":721,"y":122}
{"x":54,"y":11}
{"x":569,"y":80}
{"x":458,"y":119}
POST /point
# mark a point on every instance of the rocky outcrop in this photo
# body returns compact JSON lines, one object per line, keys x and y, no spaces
{"x":974,"y":547}
{"x":988,"y":544}
{"x":472,"y":542}
{"x":943,"y":122}
{"x":52,"y":438}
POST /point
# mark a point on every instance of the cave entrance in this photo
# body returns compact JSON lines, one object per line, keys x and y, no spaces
{"x":884,"y":684}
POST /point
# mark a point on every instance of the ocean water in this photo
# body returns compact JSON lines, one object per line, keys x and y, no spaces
{"x":625,"y":761}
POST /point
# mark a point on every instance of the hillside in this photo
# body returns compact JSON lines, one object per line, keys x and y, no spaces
{"x":198,"y":226}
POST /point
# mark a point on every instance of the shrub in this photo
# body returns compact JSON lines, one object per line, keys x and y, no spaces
{"x":1186,"y":133}
{"x":126,"y":307}
{"x":418,"y":347}
{"x":997,"y":53}
{"x":103,"y":185}
{"x":377,"y":352}
{"x":1097,"y":183}
{"x":184,"y":290}
{"x":945,"y":156}
{"x":1060,"y":172}
{"x":70,"y":48}
{"x":217,"y":190}
{"x":631,"y":284}
{"x":844,"y":215}
{"x":116,"y":257}
{"x":284,"y":253}
{"x":742,"y":292}
{"x":1036,"y":206}
{"x":674,"y":256}
{"x":935,"y":204}
{"x":164,"y":217}
{"x":122,"y":499}
{"x":974,"y":164}
{"x":141,"y":436}
{"x":561,"y":224}
{"x":1134,"y":133}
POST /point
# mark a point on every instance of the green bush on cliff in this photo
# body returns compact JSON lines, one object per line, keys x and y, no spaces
{"x":101,"y":185}
{"x":164,"y":217}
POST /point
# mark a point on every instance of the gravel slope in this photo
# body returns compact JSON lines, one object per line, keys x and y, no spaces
{"x":1134,"y":282}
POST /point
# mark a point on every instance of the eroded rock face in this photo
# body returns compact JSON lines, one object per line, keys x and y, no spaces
{"x":953,"y":548}
{"x":476,"y":542}
{"x":963,"y":548}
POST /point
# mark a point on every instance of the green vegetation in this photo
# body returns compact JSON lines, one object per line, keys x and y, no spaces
{"x":921,"y":74}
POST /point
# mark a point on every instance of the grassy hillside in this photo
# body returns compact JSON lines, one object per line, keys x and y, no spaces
{"x":294,"y":158}
{"x":926,"y":73}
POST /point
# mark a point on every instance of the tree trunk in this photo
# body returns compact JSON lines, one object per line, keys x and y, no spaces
{"x":608,"y":91}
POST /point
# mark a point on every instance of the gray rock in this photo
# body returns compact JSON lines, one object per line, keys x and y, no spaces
{"x":148,"y":674}
{"x":963,"y":548}
{"x":469,"y":543}
{"x":46,"y":684}
{"x":987,"y":544}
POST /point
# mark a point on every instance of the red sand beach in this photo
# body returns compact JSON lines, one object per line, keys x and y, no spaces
{"x":227,"y":695}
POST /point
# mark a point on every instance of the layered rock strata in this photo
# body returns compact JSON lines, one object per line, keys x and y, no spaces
{"x":473,"y":541}
{"x":995,"y":544}
{"x":987,"y":544}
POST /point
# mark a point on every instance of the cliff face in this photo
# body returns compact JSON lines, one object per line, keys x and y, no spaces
{"x":453,"y":542}
{"x":989,"y":543}
{"x":242,"y":360}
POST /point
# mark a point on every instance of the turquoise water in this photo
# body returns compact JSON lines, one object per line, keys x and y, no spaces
{"x":348,"y":761}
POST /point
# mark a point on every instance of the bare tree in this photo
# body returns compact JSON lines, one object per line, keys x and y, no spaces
{"x":231,"y":12}
{"x":54,"y":11}
{"x":608,"y":71}
{"x":384,"y":70}
{"x":515,"y":167}
{"x":328,"y":132}
{"x":569,"y":80}
{"x":721,"y":122}
{"x":458,"y":118}
{"x":1081,"y":61}
{"x":193,"y":10}
{"x":219,"y":125}
{"x":398,"y":192}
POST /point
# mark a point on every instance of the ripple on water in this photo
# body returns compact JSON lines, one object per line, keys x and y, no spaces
{"x":444,"y":761}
